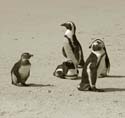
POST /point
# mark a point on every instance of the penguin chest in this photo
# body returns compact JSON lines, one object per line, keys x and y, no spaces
{"x":24,"y":71}
{"x":102,"y":67}
{"x":69,"y":52}
{"x":68,"y":48}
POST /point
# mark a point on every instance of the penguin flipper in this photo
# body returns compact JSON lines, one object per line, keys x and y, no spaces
{"x":93,"y":69}
{"x":15,"y":78}
{"x":84,"y":84}
{"x":81,"y":62}
{"x":64,"y":53}
{"x":91,"y":66}
{"x":78,"y":55}
{"x":89,"y":77}
{"x":78,"y":51}
{"x":107,"y":60}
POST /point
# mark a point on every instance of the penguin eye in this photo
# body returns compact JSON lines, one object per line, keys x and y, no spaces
{"x":69,"y":26}
{"x":98,"y":42}
{"x":25,"y":55}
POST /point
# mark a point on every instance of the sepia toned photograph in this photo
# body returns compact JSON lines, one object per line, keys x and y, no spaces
{"x":62,"y":59}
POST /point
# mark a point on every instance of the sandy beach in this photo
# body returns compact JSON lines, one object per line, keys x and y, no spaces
{"x":34,"y":26}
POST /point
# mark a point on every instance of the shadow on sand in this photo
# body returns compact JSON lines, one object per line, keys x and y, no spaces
{"x":39,"y":85}
{"x":115,"y":76}
{"x":113,"y":89}
{"x":79,"y":78}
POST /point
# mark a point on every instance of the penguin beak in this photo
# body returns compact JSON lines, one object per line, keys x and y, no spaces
{"x":90,"y":46}
{"x":64,"y":24}
{"x":31,"y":55}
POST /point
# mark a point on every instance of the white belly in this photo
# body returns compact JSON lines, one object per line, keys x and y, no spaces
{"x":24,"y":71}
{"x":69,"y":52}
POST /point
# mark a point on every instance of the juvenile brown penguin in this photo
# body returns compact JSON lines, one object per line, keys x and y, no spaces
{"x":21,"y":70}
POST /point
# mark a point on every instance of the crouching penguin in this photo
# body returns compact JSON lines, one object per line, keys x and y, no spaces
{"x":66,"y":70}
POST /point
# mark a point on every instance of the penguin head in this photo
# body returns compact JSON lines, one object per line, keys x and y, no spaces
{"x":70,"y":26}
{"x":97,"y":45}
{"x":26,"y":56}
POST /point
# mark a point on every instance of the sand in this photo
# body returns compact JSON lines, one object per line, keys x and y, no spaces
{"x":34,"y":26}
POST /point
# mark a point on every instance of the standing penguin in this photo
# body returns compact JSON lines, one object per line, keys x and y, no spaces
{"x":21,"y":70}
{"x":96,"y":64}
{"x":72,"y":49}
{"x":104,"y":62}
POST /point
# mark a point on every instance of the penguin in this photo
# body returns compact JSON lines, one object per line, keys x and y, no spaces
{"x":66,"y":70}
{"x":104,"y":67}
{"x":72,"y":49}
{"x":94,"y":66}
{"x":21,"y":70}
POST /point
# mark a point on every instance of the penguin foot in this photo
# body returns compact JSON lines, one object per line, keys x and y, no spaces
{"x":94,"y":89}
{"x":15,"y":84}
{"x":12,"y":83}
{"x":86,"y":87}
{"x":102,"y":75}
